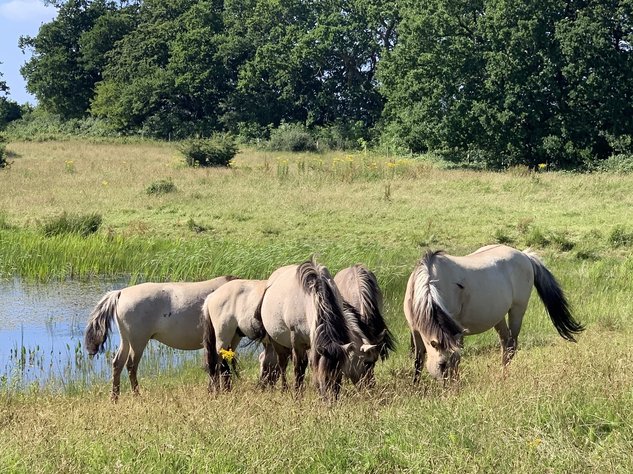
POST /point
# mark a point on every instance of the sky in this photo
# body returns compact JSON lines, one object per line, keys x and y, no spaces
{"x":19,"y":18}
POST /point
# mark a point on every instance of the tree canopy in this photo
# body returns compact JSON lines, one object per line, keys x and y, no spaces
{"x":492,"y":81}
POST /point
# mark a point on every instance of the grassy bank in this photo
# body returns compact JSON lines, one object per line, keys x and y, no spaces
{"x":560,"y":407}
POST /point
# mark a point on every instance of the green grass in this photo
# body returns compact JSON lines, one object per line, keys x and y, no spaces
{"x":560,"y":407}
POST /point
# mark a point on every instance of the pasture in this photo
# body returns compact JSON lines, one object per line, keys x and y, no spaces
{"x":559,"y":407}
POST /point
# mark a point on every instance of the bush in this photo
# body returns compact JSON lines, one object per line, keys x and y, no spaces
{"x":83,"y":225}
{"x":162,"y":186}
{"x":3,"y":154}
{"x":621,"y":163}
{"x":218,"y":150}
{"x":291,"y":137}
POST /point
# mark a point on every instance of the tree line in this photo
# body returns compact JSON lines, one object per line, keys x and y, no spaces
{"x":496,"y":82}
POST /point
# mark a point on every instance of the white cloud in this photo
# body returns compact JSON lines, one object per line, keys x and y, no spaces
{"x":27,"y":11}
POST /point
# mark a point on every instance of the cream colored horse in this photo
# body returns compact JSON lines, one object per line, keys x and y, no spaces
{"x":360,"y":290}
{"x":449,"y":296}
{"x":167,"y":312}
{"x":302,"y":312}
{"x":229,"y":314}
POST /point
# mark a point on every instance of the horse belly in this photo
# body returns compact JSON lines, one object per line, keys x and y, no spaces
{"x":181,"y":331}
{"x":483,"y":311}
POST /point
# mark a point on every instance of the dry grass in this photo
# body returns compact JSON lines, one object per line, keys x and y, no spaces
{"x":559,"y":408}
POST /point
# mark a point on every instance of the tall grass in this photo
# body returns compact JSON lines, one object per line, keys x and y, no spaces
{"x":559,"y":407}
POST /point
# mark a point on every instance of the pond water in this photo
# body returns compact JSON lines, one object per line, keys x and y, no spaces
{"x":41,"y":336}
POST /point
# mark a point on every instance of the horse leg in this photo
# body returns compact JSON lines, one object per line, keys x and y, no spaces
{"x":515,"y":319}
{"x":420,"y":355}
{"x":508,"y":345}
{"x":132,"y":365}
{"x":299,"y":361}
{"x":117,"y":367}
{"x":283,"y":357}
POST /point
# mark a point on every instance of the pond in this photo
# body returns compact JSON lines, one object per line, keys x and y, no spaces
{"x":41,"y":336}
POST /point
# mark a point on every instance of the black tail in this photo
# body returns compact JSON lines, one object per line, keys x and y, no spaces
{"x":208,"y":342}
{"x":553,"y":298}
{"x":100,"y":322}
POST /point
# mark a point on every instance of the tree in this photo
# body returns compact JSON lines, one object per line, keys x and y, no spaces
{"x":512,"y":82}
{"x":68,"y":53}
{"x":166,"y":76}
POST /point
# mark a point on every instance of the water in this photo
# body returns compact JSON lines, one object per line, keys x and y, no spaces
{"x":41,"y":336}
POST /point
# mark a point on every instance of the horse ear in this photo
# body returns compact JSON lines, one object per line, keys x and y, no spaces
{"x":435,"y":345}
{"x":367,"y":347}
{"x":349,"y":348}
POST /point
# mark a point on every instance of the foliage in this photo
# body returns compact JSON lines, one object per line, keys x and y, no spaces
{"x":80,"y":224}
{"x":162,"y":186}
{"x":69,"y":53}
{"x":512,"y":82}
{"x":218,"y":150}
{"x":3,"y":153}
{"x":620,"y":163}
{"x":39,"y":125}
{"x":291,"y":137}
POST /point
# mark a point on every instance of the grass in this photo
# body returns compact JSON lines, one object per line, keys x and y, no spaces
{"x":560,"y":407}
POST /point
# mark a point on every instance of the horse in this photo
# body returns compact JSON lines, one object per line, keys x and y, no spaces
{"x":363,"y":299}
{"x":229,"y":314}
{"x":167,"y":312}
{"x":448,"y":296}
{"x":302,"y":313}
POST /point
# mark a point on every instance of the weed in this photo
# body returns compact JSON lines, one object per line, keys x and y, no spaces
{"x":619,"y":237}
{"x":162,"y":186}
{"x":502,"y":237}
{"x":80,"y":224}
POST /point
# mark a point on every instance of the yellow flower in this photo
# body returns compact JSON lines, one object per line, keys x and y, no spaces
{"x":542,"y":166}
{"x":391,"y":164}
{"x":104,"y":183}
{"x":227,"y":354}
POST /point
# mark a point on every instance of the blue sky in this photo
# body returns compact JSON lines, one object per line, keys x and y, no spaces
{"x":17,"y":18}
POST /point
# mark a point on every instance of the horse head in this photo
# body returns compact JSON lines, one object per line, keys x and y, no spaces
{"x":443,"y":359}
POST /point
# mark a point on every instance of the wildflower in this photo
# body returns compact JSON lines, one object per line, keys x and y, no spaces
{"x":391,"y":164}
{"x":542,"y":166}
{"x":104,"y":183}
{"x":227,"y":354}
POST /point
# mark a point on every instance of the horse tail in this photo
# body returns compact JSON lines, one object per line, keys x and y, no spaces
{"x":429,"y":313}
{"x":553,"y":297}
{"x":331,"y":328}
{"x":100,"y":322}
{"x":257,"y":315}
{"x":371,"y":310}
{"x":208,"y":340}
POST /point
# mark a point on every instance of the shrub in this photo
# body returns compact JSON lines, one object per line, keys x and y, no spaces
{"x":3,"y":155}
{"x":621,"y":163}
{"x":218,"y":150}
{"x":291,"y":137}
{"x":83,"y":225}
{"x":162,"y":186}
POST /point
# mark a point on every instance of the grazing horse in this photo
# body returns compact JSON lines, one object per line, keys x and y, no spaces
{"x":360,"y":290}
{"x":167,"y":312}
{"x":449,"y":296}
{"x":229,"y":314}
{"x":302,"y":312}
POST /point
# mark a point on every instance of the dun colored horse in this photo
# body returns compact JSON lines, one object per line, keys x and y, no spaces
{"x":167,"y":312}
{"x":447,"y":297}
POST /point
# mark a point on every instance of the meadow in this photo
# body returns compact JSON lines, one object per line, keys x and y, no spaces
{"x":559,"y":407}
